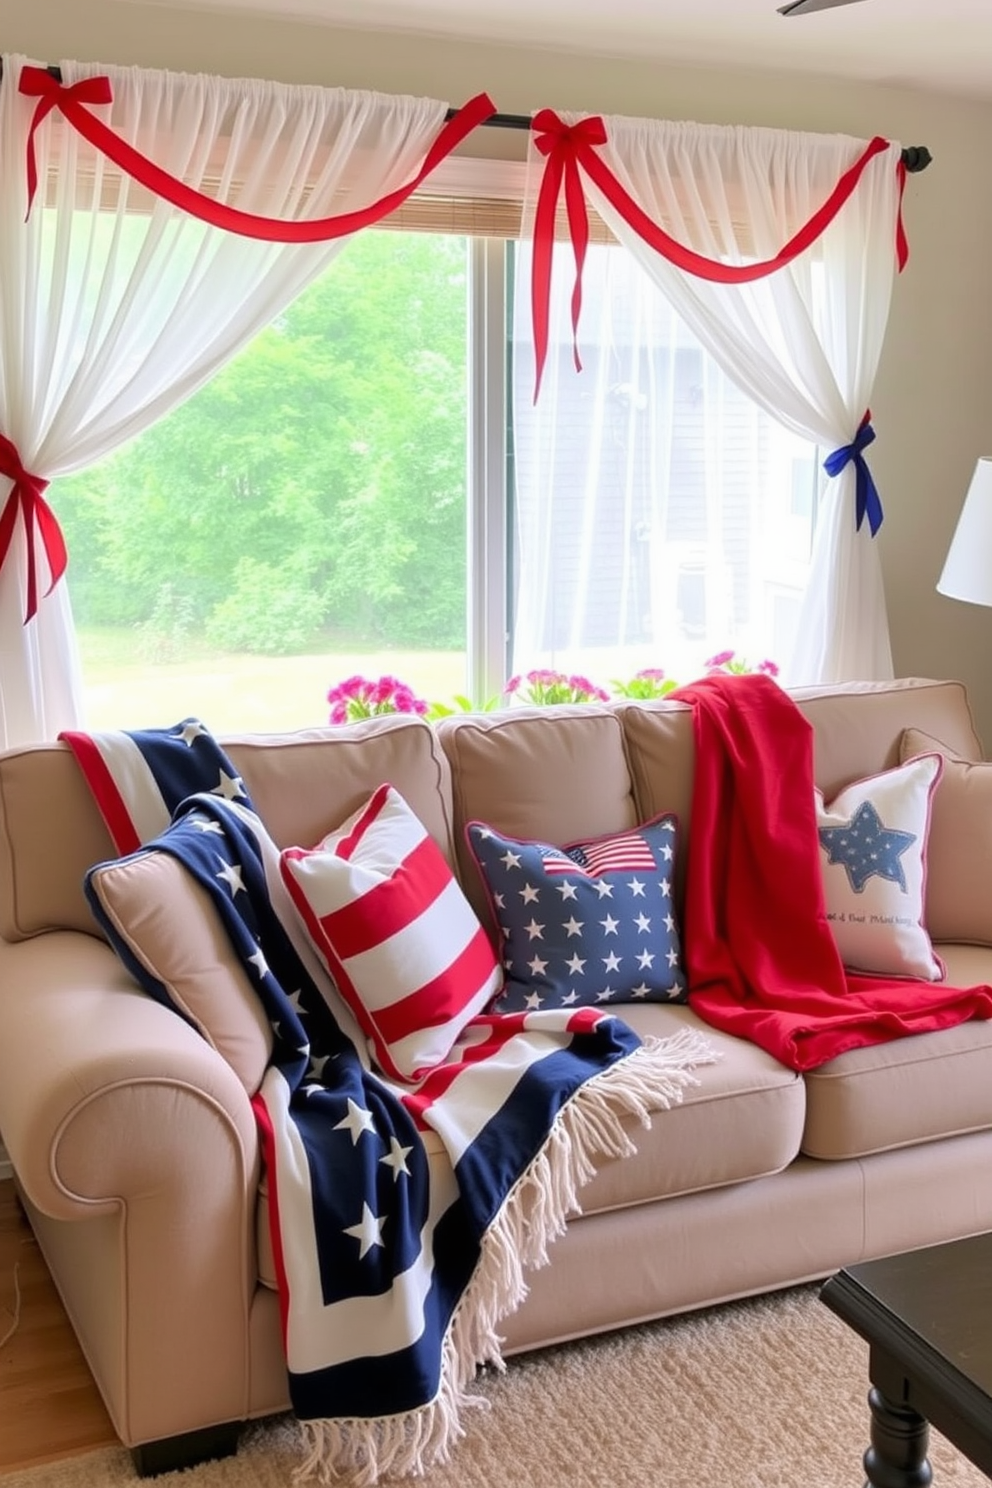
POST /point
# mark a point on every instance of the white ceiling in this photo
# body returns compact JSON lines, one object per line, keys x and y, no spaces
{"x":936,"y":44}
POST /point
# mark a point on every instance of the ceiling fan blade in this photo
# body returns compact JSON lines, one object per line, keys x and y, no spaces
{"x":806,"y":7}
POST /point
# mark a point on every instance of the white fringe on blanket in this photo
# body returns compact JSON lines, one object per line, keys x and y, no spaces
{"x":589,"y":1129}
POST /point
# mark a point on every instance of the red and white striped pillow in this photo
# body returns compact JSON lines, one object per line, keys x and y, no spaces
{"x":399,"y":937}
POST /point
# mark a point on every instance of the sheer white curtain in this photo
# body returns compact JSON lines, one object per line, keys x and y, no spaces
{"x":660,"y":515}
{"x":803,"y":342}
{"x":114,"y":307}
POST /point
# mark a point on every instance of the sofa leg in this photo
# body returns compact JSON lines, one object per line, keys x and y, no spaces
{"x":173,"y":1453}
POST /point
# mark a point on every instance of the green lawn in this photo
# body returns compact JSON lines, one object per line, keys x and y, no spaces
{"x":231,"y":693}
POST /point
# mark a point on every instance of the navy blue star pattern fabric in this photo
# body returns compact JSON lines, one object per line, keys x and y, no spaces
{"x":589,"y":923}
{"x":379,"y":1242}
{"x":864,"y":847}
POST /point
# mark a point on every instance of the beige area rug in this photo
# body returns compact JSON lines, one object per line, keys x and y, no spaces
{"x":767,"y":1393}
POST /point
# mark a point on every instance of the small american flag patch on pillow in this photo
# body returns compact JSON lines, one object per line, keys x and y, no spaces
{"x":396,"y":932}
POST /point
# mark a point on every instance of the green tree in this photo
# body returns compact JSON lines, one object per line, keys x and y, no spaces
{"x":317,"y":481}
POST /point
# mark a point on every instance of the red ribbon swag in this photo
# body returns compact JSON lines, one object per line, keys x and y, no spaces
{"x":570,"y":149}
{"x":75,"y":102}
{"x":25,"y":498}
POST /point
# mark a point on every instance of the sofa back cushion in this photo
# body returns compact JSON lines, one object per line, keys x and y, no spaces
{"x":959,"y":880}
{"x":659,"y":746}
{"x":857,"y":731}
{"x":555,"y":775}
{"x":50,"y":833}
{"x":302,"y":784}
{"x":575,"y":773}
{"x":858,"y":726}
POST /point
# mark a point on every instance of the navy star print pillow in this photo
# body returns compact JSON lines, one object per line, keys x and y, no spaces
{"x":588,"y":923}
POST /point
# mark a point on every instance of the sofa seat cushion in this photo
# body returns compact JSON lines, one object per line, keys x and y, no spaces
{"x":909,"y":1090}
{"x":743,"y":1120}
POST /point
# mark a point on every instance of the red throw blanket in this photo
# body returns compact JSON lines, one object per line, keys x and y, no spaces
{"x":761,"y":959}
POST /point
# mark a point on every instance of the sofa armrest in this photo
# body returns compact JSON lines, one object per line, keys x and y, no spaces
{"x":83,"y":1052}
{"x":117,"y":1113}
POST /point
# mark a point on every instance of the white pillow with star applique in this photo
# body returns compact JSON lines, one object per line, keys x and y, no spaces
{"x":873,"y":851}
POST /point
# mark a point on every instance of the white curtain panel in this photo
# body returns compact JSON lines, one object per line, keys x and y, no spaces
{"x":803,"y":342}
{"x":115,"y":306}
{"x":645,"y":487}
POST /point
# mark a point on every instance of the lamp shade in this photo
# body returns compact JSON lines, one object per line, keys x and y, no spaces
{"x":968,"y":566}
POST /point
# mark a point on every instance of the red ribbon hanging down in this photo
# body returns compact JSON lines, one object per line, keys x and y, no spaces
{"x":562,"y":144}
{"x":569,"y":150}
{"x":902,"y":242}
{"x":75,"y":101}
{"x":25,"y":497}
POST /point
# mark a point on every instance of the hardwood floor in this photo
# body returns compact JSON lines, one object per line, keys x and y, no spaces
{"x":49,"y":1406}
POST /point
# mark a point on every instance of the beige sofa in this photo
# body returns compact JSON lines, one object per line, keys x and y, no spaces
{"x":135,"y":1149}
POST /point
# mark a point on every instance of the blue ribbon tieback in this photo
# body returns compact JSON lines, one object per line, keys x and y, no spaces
{"x":867,"y":501}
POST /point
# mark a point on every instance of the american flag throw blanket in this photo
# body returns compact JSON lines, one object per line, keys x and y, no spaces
{"x":403,"y":1217}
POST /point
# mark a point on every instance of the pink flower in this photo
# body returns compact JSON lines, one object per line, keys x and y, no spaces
{"x":382,"y":692}
{"x":649,"y":682}
{"x":364,"y":697}
{"x":588,"y":691}
{"x":739,"y":666}
{"x":543,"y":687}
{"x":404,"y":701}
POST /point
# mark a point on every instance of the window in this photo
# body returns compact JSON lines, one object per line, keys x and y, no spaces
{"x":655,"y":521}
{"x":300,"y":517}
{"x":369,"y":488}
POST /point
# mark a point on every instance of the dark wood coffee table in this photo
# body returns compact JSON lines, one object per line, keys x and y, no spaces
{"x":927,"y":1318}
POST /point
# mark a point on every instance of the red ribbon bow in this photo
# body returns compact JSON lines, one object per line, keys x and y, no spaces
{"x":564,"y":145}
{"x":569,"y":147}
{"x":51,"y":93}
{"x":25,"y":497}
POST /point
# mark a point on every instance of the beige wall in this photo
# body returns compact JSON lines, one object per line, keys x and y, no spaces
{"x":932,"y":406}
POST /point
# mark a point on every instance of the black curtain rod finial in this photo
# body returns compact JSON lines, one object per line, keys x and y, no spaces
{"x":916,"y":158}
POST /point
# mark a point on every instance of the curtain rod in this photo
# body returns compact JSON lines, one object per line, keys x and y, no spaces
{"x":914,"y":157}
